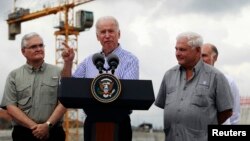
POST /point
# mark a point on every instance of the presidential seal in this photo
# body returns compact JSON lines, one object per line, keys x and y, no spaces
{"x":106,"y":88}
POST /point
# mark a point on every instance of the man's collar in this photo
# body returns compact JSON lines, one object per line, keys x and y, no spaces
{"x":31,"y":69}
{"x":116,"y":51}
{"x":196,"y":68}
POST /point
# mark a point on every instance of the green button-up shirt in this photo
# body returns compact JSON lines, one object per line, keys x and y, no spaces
{"x":34,"y":91}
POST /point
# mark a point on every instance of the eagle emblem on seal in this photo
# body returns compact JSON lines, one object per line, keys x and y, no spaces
{"x":106,"y":87}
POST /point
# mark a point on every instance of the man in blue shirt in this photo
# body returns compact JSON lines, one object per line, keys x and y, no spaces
{"x":108,"y":34}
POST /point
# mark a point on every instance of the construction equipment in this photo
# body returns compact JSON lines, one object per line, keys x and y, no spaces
{"x":67,"y":32}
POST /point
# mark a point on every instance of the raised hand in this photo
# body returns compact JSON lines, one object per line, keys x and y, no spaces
{"x":68,"y":53}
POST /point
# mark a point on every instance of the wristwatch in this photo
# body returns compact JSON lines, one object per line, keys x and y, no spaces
{"x":49,"y":124}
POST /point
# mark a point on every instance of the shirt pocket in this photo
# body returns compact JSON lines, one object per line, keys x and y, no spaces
{"x":25,"y":104}
{"x":23,"y":91}
{"x":170,"y":95}
{"x":24,"y":97}
{"x":200,"y":97}
{"x":49,"y":91}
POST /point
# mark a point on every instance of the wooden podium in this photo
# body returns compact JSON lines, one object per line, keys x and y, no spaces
{"x":135,"y":95}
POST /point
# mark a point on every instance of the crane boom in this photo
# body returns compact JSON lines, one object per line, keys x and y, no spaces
{"x":17,"y":17}
{"x":45,"y":12}
{"x":38,"y":14}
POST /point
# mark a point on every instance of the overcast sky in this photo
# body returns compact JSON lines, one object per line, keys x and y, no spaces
{"x":148,"y":29}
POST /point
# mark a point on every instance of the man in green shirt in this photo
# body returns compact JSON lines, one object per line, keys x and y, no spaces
{"x":30,"y":95}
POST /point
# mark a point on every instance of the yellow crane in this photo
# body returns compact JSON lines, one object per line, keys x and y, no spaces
{"x":67,"y":32}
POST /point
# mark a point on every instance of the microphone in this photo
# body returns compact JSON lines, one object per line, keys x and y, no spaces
{"x":113,"y":62}
{"x":98,"y":61}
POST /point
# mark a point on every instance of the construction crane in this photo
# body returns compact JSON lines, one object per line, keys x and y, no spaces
{"x":67,"y":32}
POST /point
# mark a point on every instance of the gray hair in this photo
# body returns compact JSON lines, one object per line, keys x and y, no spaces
{"x":106,"y":18}
{"x":214,"y":49}
{"x":28,"y":36}
{"x":194,"y":39}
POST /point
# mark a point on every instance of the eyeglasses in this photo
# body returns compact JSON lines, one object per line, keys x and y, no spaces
{"x":33,"y":47}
